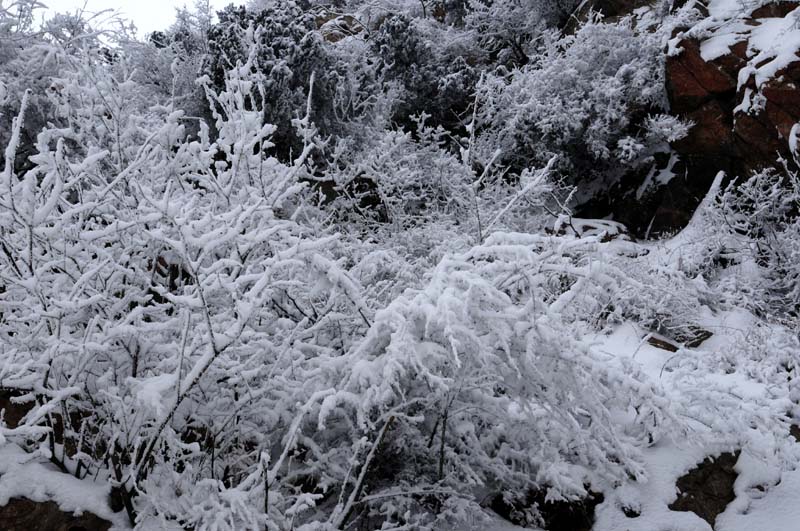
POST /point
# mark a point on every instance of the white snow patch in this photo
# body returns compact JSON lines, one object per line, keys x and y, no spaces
{"x":775,"y":509}
{"x":658,"y":177}
{"x":23,"y":475}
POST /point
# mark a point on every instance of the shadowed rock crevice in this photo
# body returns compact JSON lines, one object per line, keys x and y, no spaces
{"x":708,"y":489}
{"x":575,"y":515}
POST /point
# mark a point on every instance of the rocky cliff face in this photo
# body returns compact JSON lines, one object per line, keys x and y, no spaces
{"x":744,"y":103}
{"x":739,"y":127}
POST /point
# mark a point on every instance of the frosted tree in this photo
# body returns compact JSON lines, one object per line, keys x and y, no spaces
{"x":141,"y":271}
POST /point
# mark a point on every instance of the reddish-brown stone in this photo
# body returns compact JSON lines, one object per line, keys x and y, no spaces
{"x":782,"y":120}
{"x":704,"y":92}
{"x":791,"y":73}
{"x":732,"y":62}
{"x":708,"y":75}
{"x":740,"y":50}
{"x":758,"y":141}
{"x":777,"y":10}
{"x":707,"y":93}
{"x":691,"y":81}
{"x":685,"y":92}
{"x":712,"y":131}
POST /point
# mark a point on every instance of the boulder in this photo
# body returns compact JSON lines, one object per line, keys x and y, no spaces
{"x":691,"y":81}
{"x":738,"y":128}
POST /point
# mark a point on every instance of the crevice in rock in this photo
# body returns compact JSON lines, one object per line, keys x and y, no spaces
{"x":575,"y":515}
{"x":707,"y":489}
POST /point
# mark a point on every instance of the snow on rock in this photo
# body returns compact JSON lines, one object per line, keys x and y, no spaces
{"x":772,"y":41}
{"x":735,"y":76}
{"x":649,"y":501}
{"x":707,"y":489}
{"x":763,"y":493}
{"x":24,"y":475}
{"x":729,"y":362}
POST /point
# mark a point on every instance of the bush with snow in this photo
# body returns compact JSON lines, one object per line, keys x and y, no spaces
{"x":205,"y":330}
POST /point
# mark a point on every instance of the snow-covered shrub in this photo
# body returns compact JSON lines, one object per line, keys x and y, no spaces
{"x":579,"y":98}
{"x":432,"y":66}
{"x":409,"y":195}
{"x":194,"y":329}
{"x":288,"y":52}
{"x":761,"y":217}
{"x":509,"y":29}
{"x":28,"y":64}
{"x":482,"y":379}
{"x":159,"y":306}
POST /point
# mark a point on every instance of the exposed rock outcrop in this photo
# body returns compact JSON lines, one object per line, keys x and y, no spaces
{"x":21,"y":514}
{"x":738,"y":127}
{"x":741,"y":124}
{"x":708,"y":489}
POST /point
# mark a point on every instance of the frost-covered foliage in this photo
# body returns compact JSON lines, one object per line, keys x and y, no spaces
{"x":251,"y":279}
{"x":435,"y":78}
{"x":478,"y":371}
{"x":585,"y":97}
{"x":510,"y":29}
{"x":136,"y":267}
{"x":761,"y":217}
{"x":288,"y":53}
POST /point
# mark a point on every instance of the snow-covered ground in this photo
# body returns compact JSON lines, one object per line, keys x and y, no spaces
{"x":29,"y":476}
{"x":771,"y":509}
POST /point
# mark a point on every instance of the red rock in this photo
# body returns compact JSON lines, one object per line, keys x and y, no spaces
{"x":708,"y":75}
{"x":731,"y":63}
{"x":740,"y":50}
{"x":685,"y":93}
{"x":705,"y":92}
{"x":758,"y":140}
{"x":712,"y":132}
{"x":791,"y":73}
{"x":781,"y":120}
{"x":777,"y":10}
{"x":786,"y":96}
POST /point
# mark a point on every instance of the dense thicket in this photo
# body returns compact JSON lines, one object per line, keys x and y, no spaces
{"x":307,"y":266}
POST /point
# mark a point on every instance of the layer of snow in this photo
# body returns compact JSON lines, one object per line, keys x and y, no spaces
{"x":772,"y":43}
{"x":776,"y":509}
{"x":658,"y":177}
{"x":24,"y":475}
